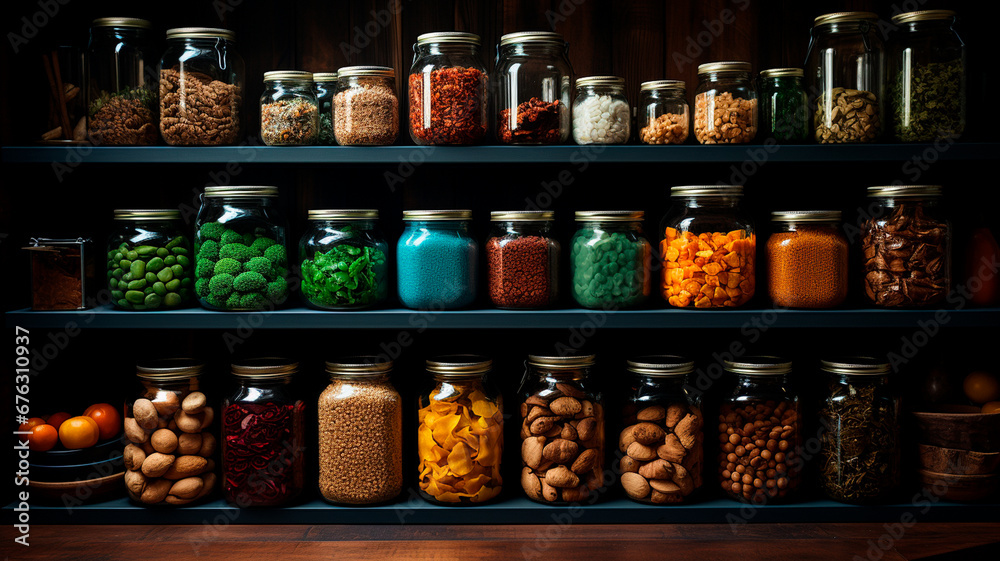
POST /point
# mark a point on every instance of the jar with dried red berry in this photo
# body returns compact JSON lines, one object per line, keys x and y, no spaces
{"x":533,"y":77}
{"x":447,"y":90}
{"x":522,"y":260}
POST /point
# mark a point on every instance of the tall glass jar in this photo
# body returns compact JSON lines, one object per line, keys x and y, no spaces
{"x":240,"y":249}
{"x":907,"y":247}
{"x":610,"y":260}
{"x":709,"y":248}
{"x":121,"y":96}
{"x":926,"y":77}
{"x":663,"y":441}
{"x":784,"y":108}
{"x":533,"y":78}
{"x":725,"y":104}
{"x":325,"y":87}
{"x":664,"y":117}
{"x":289,"y":112}
{"x":360,"y":433}
{"x":807,"y":259}
{"x":343,"y":260}
{"x":846,"y":65}
{"x":263,"y":435}
{"x":366,"y":107}
{"x":437,"y":260}
{"x":601,"y":113}
{"x":522,"y":260}
{"x":562,"y":430}
{"x":760,"y":432}
{"x":201,"y":87}
{"x":460,"y":433}
{"x":448,"y":87}
{"x":150,"y":263}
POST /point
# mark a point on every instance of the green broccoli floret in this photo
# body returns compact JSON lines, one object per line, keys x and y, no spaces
{"x":277,"y":290}
{"x":260,"y":265}
{"x":211,"y":231}
{"x":233,"y":301}
{"x":276,"y":253}
{"x":201,"y":288}
{"x":228,"y":266}
{"x":215,"y":301}
{"x":235,"y":251}
{"x":281,"y":272}
{"x":229,"y":236}
{"x":253,"y":301}
{"x":261,"y":244}
{"x":209,"y":249}
{"x":249,"y":282}
{"x":221,"y":285}
{"x":204,"y":269}
{"x":248,"y":238}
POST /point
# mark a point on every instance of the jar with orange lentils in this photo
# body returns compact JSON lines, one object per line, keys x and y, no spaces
{"x":708,"y":248}
{"x":807,"y":259}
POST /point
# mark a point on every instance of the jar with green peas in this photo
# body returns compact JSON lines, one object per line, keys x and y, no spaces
{"x":610,"y":260}
{"x":150,"y":264}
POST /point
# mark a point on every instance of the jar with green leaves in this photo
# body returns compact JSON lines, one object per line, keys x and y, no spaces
{"x":784,"y":106}
{"x":150,"y":263}
{"x":343,"y":259}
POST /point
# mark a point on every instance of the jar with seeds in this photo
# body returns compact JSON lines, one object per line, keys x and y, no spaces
{"x":289,"y":112}
{"x":366,"y":108}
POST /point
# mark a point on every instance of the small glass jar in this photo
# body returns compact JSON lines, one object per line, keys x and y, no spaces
{"x":201,"y":87}
{"x":709,"y":248}
{"x":240,"y":248}
{"x":760,"y":432}
{"x":784,"y":105}
{"x":662,"y":444}
{"x":562,"y":430}
{"x":121,"y":97}
{"x":263,"y":435}
{"x":533,"y":78}
{"x":360,"y":433}
{"x":448,"y":88}
{"x":150,"y":263}
{"x":460,"y":433}
{"x":437,"y":260}
{"x":610,"y":260}
{"x":343,"y":260}
{"x":366,"y":108}
{"x":807,"y":259}
{"x":601,"y":113}
{"x":725,"y":104}
{"x":664,"y":117}
{"x":860,"y":457}
{"x":62,"y":271}
{"x":325,"y":87}
{"x":289,"y":112}
{"x":522,"y":260}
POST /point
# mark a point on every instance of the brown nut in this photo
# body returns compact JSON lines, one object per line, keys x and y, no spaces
{"x":157,"y":464}
{"x":537,"y":400}
{"x":207,"y":445}
{"x":155,"y":491}
{"x":585,"y":461}
{"x":537,"y":412}
{"x":635,"y":485}
{"x":568,"y":432}
{"x":532,"y":487}
{"x":135,"y":482}
{"x":145,"y":414}
{"x":575,"y":494}
{"x":664,"y":486}
{"x":651,"y":413}
{"x":186,"y":466}
{"x":570,"y":390}
{"x":209,"y":416}
{"x":674,"y":414}
{"x":147,"y":448}
{"x":549,"y":493}
{"x":164,"y":441}
{"x":647,"y":433}
{"x":657,"y":469}
{"x":194,"y":403}
{"x":134,"y":432}
{"x":187,"y":422}
{"x":542,"y":425}
{"x":641,"y":452}
{"x":187,"y":488}
{"x":671,"y":450}
{"x":531,"y":451}
{"x":189,"y":443}
{"x":561,"y":451}
{"x":587,"y":409}
{"x":586,"y":429}
{"x":565,"y":407}
{"x":663,"y":498}
{"x":166,"y":403}
{"x":687,"y":430}
{"x":628,"y":463}
{"x":625,"y":439}
{"x":133,"y":456}
{"x":561,"y":476}
{"x":209,"y":479}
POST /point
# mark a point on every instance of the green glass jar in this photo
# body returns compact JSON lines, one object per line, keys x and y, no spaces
{"x":784,"y":106}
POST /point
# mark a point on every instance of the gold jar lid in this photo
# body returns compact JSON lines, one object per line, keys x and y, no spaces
{"x":431,"y":215}
{"x":844,"y":17}
{"x":609,"y":215}
{"x":366,"y":71}
{"x":923,"y":15}
{"x":522,"y":215}
{"x":241,"y":191}
{"x":147,"y":214}
{"x":289,"y":75}
{"x":359,"y":366}
{"x":782,"y":73}
{"x":343,"y":214}
{"x":562,"y":362}
{"x":459,"y":366}
{"x":707,"y":191}
{"x":532,"y":37}
{"x":268,"y":367}
{"x":759,"y":366}
{"x":122,"y":22}
{"x":676,"y":85}
{"x":600,"y":81}
{"x":898,"y":191}
{"x":660,"y":365}
{"x":724,"y":66}
{"x":806,"y":216}
{"x":169,"y":369}
{"x":449,"y":37}
{"x":200,"y":33}
{"x":855,"y":366}
{"x":325,"y":76}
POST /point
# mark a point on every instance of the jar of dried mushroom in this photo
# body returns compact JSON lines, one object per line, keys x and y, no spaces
{"x":360,"y":433}
{"x":664,"y":117}
{"x":860,"y":441}
{"x":121,"y":95}
{"x":562,"y":430}
{"x":807,"y":259}
{"x":289,"y":111}
{"x":365,"y":108}
{"x":907,"y":247}
{"x":325,"y":87}
{"x":601,"y":113}
{"x":663,"y":441}
{"x":460,"y":433}
{"x":725,"y":104}
{"x":522,"y":259}
{"x":533,"y":88}
{"x":784,"y":105}
{"x":448,"y":90}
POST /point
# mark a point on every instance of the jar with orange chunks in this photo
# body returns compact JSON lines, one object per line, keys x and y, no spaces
{"x":460,"y":433}
{"x":708,"y":249}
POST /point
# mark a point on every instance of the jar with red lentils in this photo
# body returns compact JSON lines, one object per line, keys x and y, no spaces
{"x":522,"y":260}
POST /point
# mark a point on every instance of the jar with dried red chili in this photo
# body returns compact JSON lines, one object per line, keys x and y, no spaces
{"x":447,"y":88}
{"x":533,"y":75}
{"x":522,"y":259}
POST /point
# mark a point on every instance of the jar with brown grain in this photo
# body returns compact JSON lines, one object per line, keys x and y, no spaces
{"x":725,"y":104}
{"x":121,"y":92}
{"x":366,"y":108}
{"x":664,"y":117}
{"x":807,"y":259}
{"x":522,"y":260}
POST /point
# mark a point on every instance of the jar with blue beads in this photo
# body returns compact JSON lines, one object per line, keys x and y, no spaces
{"x":437,"y":260}
{"x":611,"y":260}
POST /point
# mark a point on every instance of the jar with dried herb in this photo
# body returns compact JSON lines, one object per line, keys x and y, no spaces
{"x":784,"y":106}
{"x":325,"y":86}
{"x":448,"y":90}
{"x":121,"y":94}
{"x":289,"y":112}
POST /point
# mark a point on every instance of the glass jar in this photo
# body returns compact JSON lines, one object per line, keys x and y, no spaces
{"x":201,"y":87}
{"x":62,"y":272}
{"x":725,"y":104}
{"x":562,"y":430}
{"x":846,"y":64}
{"x":663,"y":441}
{"x":150,"y":264}
{"x":325,"y":87}
{"x":760,"y":432}
{"x":807,"y":259}
{"x":533,"y":77}
{"x":709,"y":248}
{"x":366,"y":108}
{"x":360,"y":433}
{"x":926,"y":77}
{"x":343,"y":260}
{"x":437,"y":260}
{"x":289,"y":112}
{"x":784,"y":109}
{"x":169,"y":458}
{"x":906,"y":247}
{"x":522,"y":260}
{"x":664,"y":116}
{"x":860,"y":418}
{"x":121,"y":98}
{"x":610,"y":260}
{"x":263,"y":435}
{"x":601,"y":113}
{"x":460,"y":433}
{"x":241,"y":261}
{"x":448,"y":90}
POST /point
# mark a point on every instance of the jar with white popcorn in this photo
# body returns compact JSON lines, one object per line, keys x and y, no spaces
{"x":601,"y":114}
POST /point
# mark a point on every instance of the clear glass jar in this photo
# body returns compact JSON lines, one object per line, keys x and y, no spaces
{"x":62,"y":271}
{"x":807,"y":259}
{"x":860,"y":457}
{"x":263,"y":435}
{"x":664,"y":116}
{"x":240,"y":248}
{"x":533,"y":78}
{"x":610,"y":260}
{"x":360,"y":433}
{"x":926,"y":77}
{"x":663,"y":441}
{"x":709,"y":248}
{"x":343,"y":260}
{"x":448,"y":88}
{"x":366,"y":108}
{"x":784,"y":107}
{"x":201,"y":87}
{"x":562,"y":430}
{"x":437,"y":260}
{"x":725,"y":104}
{"x":846,"y":65}
{"x":460,"y":433}
{"x":907,"y":247}
{"x":760,"y":432}
{"x":522,"y":260}
{"x":150,"y":263}
{"x":121,"y":98}
{"x":169,"y":459}
{"x":325,"y":87}
{"x":289,"y":111}
{"x":601,"y":113}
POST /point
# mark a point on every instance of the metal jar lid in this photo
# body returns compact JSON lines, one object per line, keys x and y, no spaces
{"x":459,"y":366}
{"x":449,"y":37}
{"x":430,"y":215}
{"x":844,"y":17}
{"x":122,"y":22}
{"x":366,"y":71}
{"x":522,"y":215}
{"x":343,"y":214}
{"x":289,"y":75}
{"x":169,"y":369}
{"x":707,"y":191}
{"x":675,"y":85}
{"x":359,"y":366}
{"x":609,"y":215}
{"x":759,"y":366}
{"x":923,"y":15}
{"x":782,"y":73}
{"x":897,"y":191}
{"x":724,"y":66}
{"x":569,"y":362}
{"x":269,"y":367}
{"x":787,"y":216}
{"x":241,"y":191}
{"x":660,"y":365}
{"x":147,"y":214}
{"x":200,"y":33}
{"x":325,"y":76}
{"x":600,"y":81}
{"x":855,"y":366}
{"x":532,"y":37}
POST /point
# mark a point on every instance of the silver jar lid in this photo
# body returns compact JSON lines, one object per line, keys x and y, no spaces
{"x":169,"y":369}
{"x":147,"y":214}
{"x":724,"y":66}
{"x":522,"y":215}
{"x":343,"y":214}
{"x":923,"y":15}
{"x":600,"y":81}
{"x":855,"y":366}
{"x":782,"y":73}
{"x":200,"y":33}
{"x":569,"y":362}
{"x":806,"y":216}
{"x":290,"y":75}
{"x":898,"y":191}
{"x":366,"y":71}
{"x":759,"y":366}
{"x":532,"y":37}
{"x":844,"y":17}
{"x":241,"y":191}
{"x":675,"y":85}
{"x":268,"y":367}
{"x":449,"y":37}
{"x":661,"y":365}
{"x":325,"y":76}
{"x":122,"y":22}
{"x":359,"y":366}
{"x":707,"y":191}
{"x":430,"y":215}
{"x":459,"y":366}
{"x":609,"y":215}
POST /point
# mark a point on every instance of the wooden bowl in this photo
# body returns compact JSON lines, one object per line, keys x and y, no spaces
{"x":70,"y":493}
{"x":960,"y":427}
{"x":958,"y":462}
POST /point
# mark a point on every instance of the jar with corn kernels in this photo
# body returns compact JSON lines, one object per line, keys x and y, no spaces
{"x":663,"y":112}
{"x":725,"y":104}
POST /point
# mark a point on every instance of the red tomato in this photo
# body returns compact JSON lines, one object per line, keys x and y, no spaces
{"x":30,"y":424}
{"x":107,"y":417}
{"x":79,"y":432}
{"x":43,"y":438}
{"x":57,"y":419}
